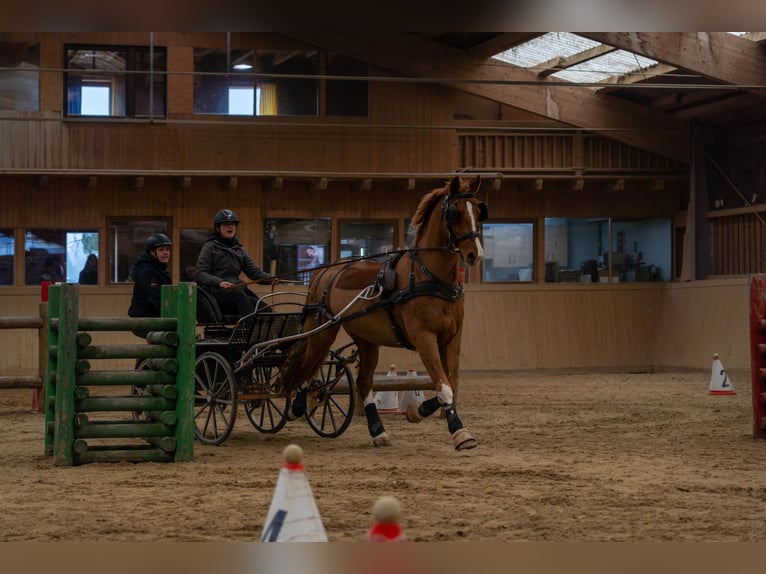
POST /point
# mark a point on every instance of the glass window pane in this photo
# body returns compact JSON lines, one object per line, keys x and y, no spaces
{"x":45,"y":255}
{"x":508,"y":252}
{"x":19,"y":76}
{"x":290,"y":245}
{"x":82,"y":257}
{"x":288,"y":96}
{"x":191,"y":243}
{"x":92,"y":71}
{"x":213,"y":82}
{"x":96,"y":101}
{"x":6,"y":256}
{"x":241,"y":101}
{"x":127,"y":238}
{"x":346,"y":97}
{"x":364,"y":239}
{"x":607,"y":250}
{"x":641,"y":249}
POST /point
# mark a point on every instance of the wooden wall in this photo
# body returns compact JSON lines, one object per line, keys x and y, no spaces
{"x":517,"y":327}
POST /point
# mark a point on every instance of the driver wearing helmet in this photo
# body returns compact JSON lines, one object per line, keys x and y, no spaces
{"x":222,"y":260}
{"x":149,"y":274}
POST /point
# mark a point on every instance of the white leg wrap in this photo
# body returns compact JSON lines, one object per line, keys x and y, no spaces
{"x":369,"y":399}
{"x":445,"y":396}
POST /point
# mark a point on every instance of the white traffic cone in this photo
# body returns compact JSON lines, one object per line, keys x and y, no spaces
{"x":719,"y":380}
{"x":293,"y":515}
{"x":408,"y":397}
{"x":388,"y":401}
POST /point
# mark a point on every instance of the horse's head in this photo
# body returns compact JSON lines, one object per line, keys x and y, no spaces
{"x":461,"y":212}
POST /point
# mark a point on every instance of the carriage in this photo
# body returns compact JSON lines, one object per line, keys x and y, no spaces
{"x":239,"y":361}
{"x":279,"y":361}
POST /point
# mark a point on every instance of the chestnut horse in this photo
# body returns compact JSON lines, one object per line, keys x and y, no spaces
{"x":414,"y":299}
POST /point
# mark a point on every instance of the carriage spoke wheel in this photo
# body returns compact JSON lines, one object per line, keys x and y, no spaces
{"x":268,"y":414}
{"x":331,"y":399}
{"x":215,"y":398}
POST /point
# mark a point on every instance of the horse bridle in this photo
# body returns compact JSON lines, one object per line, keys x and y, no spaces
{"x":449,"y":214}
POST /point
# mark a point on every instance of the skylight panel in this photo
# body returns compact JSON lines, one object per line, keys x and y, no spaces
{"x":600,"y":69}
{"x":545,"y":48}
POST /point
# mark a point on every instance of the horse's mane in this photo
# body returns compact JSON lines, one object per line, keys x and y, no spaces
{"x":426,"y":207}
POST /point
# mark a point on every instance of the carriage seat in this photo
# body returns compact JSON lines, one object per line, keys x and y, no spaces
{"x":209,"y":312}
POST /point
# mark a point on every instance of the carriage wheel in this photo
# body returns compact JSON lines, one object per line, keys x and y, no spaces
{"x":331,"y":399}
{"x":140,"y":391}
{"x":215,"y":398}
{"x":268,"y":414}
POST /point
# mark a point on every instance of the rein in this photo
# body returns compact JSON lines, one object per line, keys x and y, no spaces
{"x":336,"y":263}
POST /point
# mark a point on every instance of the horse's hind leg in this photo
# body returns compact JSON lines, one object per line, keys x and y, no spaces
{"x":368,"y":360}
{"x":303,"y":360}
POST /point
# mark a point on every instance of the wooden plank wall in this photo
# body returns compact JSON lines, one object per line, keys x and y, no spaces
{"x":519,"y":327}
{"x":739,"y":243}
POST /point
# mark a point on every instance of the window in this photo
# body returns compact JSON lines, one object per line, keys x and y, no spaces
{"x":127,"y":238}
{"x":19,"y":76}
{"x":82,"y":257}
{"x":346,"y":97}
{"x":191,"y":242}
{"x":508,"y":252}
{"x":607,"y":250}
{"x":115,"y":81}
{"x":59,"y":256}
{"x":288,"y":96}
{"x":364,"y":239}
{"x":290,"y":245}
{"x":218,"y":90}
{"x":6,"y":256}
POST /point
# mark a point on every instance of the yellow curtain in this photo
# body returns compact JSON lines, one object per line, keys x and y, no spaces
{"x":268,"y":104}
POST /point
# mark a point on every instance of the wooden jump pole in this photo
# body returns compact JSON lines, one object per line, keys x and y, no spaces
{"x":181,"y":302}
{"x":168,"y":404}
{"x":34,"y":382}
{"x":66,"y":358}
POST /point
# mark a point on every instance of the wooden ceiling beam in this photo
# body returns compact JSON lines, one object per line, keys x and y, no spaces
{"x":628,"y":122}
{"x":501,"y":43}
{"x":561,"y":63}
{"x":718,"y":56}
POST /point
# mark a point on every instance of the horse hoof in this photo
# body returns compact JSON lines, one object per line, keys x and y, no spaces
{"x":413,"y":416}
{"x":463,"y":440}
{"x":381,"y":440}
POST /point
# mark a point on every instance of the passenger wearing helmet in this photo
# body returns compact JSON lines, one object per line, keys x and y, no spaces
{"x":221,"y":261}
{"x":149,"y":274}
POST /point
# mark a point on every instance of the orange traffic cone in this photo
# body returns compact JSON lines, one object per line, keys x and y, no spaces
{"x":293,"y":515}
{"x":719,"y":380}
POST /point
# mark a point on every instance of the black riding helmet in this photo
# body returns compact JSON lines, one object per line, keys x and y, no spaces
{"x":157,"y":240}
{"x":225,"y":216}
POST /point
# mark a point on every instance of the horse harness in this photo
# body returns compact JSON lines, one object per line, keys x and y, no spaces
{"x":385,"y":281}
{"x":385,"y":284}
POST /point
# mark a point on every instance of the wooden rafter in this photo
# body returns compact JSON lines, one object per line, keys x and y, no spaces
{"x":562,"y":63}
{"x":500,"y":43}
{"x":514,"y":86}
{"x":718,"y":56}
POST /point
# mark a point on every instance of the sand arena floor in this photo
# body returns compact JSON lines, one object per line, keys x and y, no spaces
{"x":561,"y":457}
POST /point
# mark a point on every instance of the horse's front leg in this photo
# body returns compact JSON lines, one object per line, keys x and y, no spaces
{"x":368,"y":360}
{"x":442,"y":366}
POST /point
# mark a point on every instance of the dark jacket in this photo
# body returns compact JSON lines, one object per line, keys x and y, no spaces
{"x":221,"y":260}
{"x":149,"y":275}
